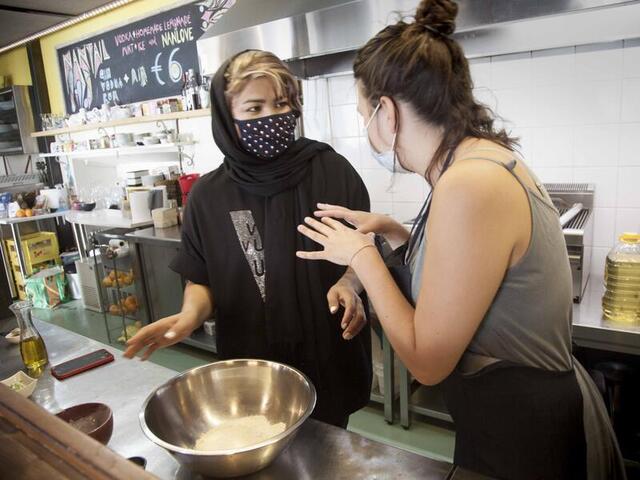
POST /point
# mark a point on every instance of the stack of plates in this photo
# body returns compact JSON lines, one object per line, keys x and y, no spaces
{"x":134,"y":179}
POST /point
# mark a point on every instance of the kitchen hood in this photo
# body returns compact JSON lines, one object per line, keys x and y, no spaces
{"x":320,"y":36}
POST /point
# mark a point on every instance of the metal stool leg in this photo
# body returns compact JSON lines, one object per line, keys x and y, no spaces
{"x":389,"y":397}
{"x":405,"y":392}
{"x":15,"y":233}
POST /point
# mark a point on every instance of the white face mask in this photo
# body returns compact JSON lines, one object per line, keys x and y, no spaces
{"x":387,"y":159}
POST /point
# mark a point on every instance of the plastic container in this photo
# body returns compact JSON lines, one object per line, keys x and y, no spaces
{"x":36,"y":248}
{"x":621,"y":300}
{"x":75,"y":289}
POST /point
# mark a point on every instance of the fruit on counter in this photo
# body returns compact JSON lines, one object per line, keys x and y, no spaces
{"x":20,"y":214}
{"x":28,"y":212}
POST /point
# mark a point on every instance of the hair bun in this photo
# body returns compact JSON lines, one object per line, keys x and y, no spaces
{"x":437,"y":15}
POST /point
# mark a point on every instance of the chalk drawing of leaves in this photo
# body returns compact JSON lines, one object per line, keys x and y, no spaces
{"x":212,"y":10}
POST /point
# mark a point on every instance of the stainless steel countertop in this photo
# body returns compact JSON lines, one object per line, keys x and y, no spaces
{"x":167,"y":236}
{"x":103,"y":218}
{"x":319,"y":451}
{"x":591,"y":330}
{"x":44,"y":216}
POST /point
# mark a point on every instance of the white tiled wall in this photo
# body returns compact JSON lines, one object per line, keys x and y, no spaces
{"x":576,"y":111}
{"x":336,"y":121}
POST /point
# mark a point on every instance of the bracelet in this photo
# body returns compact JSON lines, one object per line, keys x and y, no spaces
{"x":358,"y":251}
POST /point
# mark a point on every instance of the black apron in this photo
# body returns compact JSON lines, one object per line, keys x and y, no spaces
{"x":512,"y":421}
{"x":516,"y":422}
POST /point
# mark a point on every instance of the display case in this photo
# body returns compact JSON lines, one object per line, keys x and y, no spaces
{"x":16,"y":121}
{"x":121,"y":291}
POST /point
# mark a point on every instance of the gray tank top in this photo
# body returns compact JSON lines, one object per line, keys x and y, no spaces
{"x":518,"y":326}
{"x":529,"y":323}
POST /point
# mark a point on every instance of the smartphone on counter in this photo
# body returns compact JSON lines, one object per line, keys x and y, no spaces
{"x":81,"y":364}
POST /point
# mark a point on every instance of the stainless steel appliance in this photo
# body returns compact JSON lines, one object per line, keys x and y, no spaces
{"x":21,"y":182}
{"x":16,"y":122}
{"x":89,"y":284}
{"x":578,"y":232}
{"x":301,"y":32}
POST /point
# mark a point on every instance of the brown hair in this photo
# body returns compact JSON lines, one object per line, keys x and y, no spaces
{"x":419,"y":63}
{"x":256,"y":64}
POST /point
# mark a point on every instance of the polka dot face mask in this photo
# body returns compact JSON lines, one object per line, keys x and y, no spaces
{"x":268,"y":137}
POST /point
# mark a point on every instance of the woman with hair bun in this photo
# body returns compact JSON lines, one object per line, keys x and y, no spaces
{"x":488,"y":311}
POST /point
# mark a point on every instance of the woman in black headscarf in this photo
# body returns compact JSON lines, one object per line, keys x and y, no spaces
{"x":239,"y":242}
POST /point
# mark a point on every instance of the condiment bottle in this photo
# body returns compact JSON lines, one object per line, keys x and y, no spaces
{"x":621,"y":300}
{"x":32,"y":347}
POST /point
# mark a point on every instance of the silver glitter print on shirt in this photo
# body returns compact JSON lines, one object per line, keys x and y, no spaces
{"x":252,"y":246}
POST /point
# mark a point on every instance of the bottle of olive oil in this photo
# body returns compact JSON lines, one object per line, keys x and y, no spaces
{"x":32,"y":347}
{"x":621,"y":300}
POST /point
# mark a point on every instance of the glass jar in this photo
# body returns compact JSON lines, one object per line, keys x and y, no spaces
{"x":621,"y":300}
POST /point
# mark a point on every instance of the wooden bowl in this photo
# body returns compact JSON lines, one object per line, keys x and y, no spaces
{"x":94,"y":419}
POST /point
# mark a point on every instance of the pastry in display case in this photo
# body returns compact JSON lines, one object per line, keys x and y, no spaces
{"x":120,"y":288}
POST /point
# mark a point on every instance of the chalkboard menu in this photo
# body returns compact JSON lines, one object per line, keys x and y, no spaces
{"x":141,"y":61}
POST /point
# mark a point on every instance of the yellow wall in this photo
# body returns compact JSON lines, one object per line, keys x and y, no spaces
{"x":117,"y":17}
{"x":15,"y":64}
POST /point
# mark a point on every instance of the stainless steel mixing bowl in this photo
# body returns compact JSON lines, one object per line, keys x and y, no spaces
{"x":177,"y":413}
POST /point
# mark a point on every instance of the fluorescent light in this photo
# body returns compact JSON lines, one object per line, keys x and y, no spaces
{"x":67,"y":23}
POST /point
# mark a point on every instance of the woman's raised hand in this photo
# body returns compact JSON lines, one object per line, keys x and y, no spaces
{"x":367,"y":222}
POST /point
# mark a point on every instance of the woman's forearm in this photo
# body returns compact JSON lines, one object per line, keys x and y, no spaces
{"x":197,"y":302}
{"x":350,"y":278}
{"x":395,"y":234}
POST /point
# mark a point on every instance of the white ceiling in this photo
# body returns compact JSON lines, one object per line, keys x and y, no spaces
{"x":21,"y":18}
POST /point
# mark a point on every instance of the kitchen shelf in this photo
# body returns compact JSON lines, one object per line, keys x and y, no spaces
{"x":119,"y":317}
{"x":34,"y":218}
{"x":123,"y":288}
{"x":121,"y":151}
{"x":204,"y":112}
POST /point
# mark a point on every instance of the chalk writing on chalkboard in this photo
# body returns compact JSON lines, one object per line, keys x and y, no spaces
{"x":140,"y":61}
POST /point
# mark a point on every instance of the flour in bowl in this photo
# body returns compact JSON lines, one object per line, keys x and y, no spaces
{"x":239,"y":433}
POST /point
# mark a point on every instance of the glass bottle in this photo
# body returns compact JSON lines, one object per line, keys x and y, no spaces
{"x":185,"y":97}
{"x":203,"y":92}
{"x":32,"y":347}
{"x":192,"y":90}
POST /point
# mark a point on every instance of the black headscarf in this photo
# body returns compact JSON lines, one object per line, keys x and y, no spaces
{"x":258,"y":176}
